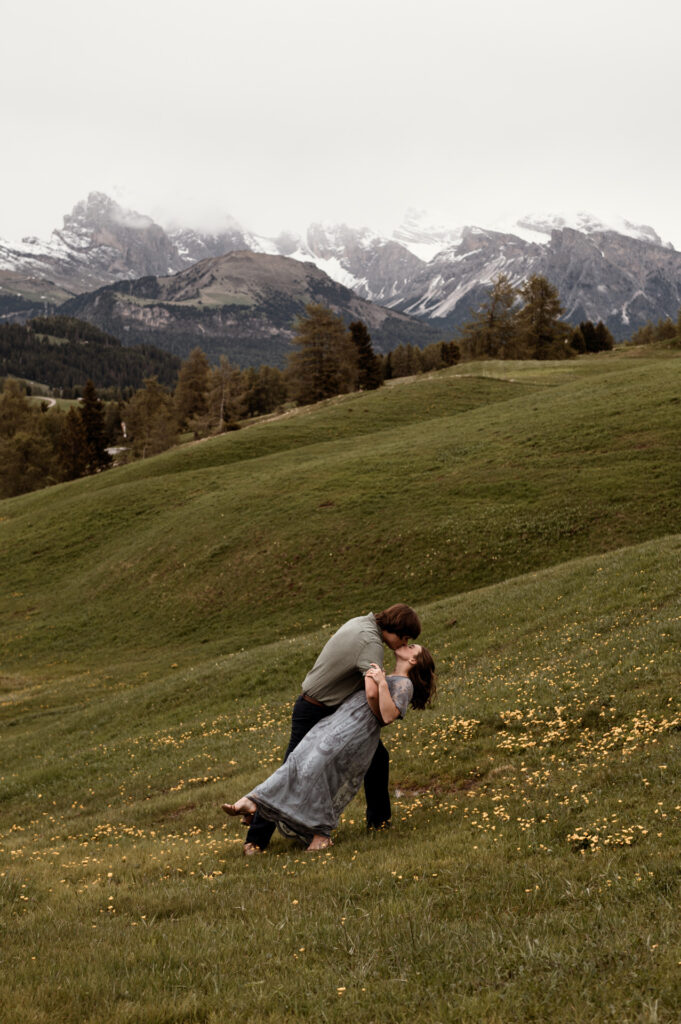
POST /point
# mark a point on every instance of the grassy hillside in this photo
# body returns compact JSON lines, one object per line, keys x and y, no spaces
{"x":157,"y":621}
{"x":531,"y":873}
{"x":422,"y":490}
{"x":28,"y":296}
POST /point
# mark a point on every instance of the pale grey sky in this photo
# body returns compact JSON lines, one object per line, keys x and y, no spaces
{"x":283,"y":113}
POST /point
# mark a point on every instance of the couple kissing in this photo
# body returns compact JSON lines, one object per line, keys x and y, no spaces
{"x":336,"y":724}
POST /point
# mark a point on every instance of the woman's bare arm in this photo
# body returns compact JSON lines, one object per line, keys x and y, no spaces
{"x":387,"y":709}
{"x":371,"y":690}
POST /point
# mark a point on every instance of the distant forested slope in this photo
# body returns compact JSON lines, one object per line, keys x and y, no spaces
{"x":64,"y":352}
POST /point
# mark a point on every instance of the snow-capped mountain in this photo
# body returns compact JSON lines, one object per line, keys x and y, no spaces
{"x":615,"y":271}
{"x":618,"y":272}
{"x":424,"y":239}
{"x":98,"y":242}
{"x":601,"y":274}
{"x":377,"y":268}
{"x":537,"y":227}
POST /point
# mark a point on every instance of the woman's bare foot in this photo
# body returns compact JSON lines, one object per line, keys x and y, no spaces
{"x":245,"y":807}
{"x":320,"y":842}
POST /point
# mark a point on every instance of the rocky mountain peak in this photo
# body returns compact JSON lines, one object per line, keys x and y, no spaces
{"x":612,"y":269}
{"x":589,"y":224}
{"x":327,"y":239}
{"x":100,"y":214}
{"x":423,"y":238}
{"x":114,"y":242}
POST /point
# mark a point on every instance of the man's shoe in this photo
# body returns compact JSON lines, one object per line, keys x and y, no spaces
{"x":378,"y":826}
{"x":250,"y":849}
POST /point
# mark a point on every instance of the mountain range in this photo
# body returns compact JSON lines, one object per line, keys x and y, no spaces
{"x":242,"y":305}
{"x":622,"y":274}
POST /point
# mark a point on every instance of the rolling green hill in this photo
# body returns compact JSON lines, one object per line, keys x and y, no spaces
{"x":423,"y":490}
{"x":156,"y":622}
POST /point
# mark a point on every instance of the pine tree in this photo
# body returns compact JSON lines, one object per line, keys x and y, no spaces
{"x":450,"y":353}
{"x":540,"y":330}
{"x":15,"y":411}
{"x":590,"y":337}
{"x":645,"y":335}
{"x":399,"y":362}
{"x":23,"y":463}
{"x":413,"y":360}
{"x":150,"y":419}
{"x":491,"y":330}
{"x":665,"y":329}
{"x":191,"y":393}
{"x":272,"y":388}
{"x":112,"y":422}
{"x":73,"y":453}
{"x":577,"y":341}
{"x":604,"y":339}
{"x":27,"y":443}
{"x":369,"y":376}
{"x":92,"y":414}
{"x":324,"y":362}
{"x":225,"y":396}
{"x":264,"y":390}
{"x":431,"y":357}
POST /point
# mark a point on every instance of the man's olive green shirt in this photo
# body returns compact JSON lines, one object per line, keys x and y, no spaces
{"x":339,"y":669}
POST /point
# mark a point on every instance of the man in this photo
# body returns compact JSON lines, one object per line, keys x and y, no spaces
{"x":339,"y":671}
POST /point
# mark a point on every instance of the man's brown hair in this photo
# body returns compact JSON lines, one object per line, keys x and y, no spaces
{"x":399,"y":619}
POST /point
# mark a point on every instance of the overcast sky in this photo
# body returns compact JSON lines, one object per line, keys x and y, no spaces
{"x":281,"y":113}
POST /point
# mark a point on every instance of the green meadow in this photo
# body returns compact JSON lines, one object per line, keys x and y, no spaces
{"x":156,"y":622}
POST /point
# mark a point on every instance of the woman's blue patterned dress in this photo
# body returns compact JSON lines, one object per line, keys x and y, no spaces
{"x":309,"y":791}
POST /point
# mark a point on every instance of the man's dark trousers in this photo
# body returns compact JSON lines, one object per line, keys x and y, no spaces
{"x":304,"y":716}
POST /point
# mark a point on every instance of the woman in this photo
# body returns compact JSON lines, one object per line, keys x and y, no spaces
{"x":307,"y":794}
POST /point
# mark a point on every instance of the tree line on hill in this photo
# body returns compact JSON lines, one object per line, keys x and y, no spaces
{"x":66,"y":352}
{"x":663,"y":331}
{"x":41,"y":445}
{"x":526,"y":323}
{"x":327,"y":359}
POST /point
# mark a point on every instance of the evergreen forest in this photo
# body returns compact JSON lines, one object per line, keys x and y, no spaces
{"x":64,"y":352}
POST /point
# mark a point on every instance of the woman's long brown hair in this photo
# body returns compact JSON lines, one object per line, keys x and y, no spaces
{"x":422,"y":676}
